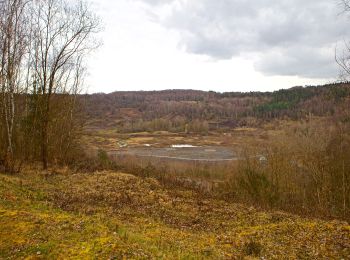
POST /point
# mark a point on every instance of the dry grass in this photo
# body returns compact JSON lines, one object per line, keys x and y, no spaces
{"x":107,"y":139}
{"x":115,"y":215}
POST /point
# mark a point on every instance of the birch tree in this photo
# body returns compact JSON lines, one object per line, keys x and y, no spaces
{"x":13,"y":42}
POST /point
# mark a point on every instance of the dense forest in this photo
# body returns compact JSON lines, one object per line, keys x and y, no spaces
{"x":190,"y":110}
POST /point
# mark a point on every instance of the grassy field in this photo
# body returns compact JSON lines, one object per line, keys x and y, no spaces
{"x":237,"y":138}
{"x":108,"y":139}
{"x":111,"y":215}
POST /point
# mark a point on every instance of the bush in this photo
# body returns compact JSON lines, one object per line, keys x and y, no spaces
{"x":258,"y":187}
{"x":252,"y":248}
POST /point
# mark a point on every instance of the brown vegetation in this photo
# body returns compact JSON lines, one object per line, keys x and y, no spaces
{"x":108,"y":215}
{"x":42,"y":50}
{"x":197,"y":111}
{"x":303,"y":169}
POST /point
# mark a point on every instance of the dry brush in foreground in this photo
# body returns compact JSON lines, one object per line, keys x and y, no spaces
{"x":109,"y":215}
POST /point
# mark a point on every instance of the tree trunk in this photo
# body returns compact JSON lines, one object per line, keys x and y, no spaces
{"x":9,"y":108}
{"x":44,"y":144}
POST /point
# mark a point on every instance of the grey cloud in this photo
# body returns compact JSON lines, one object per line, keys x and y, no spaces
{"x":290,"y":37}
{"x":299,"y":61}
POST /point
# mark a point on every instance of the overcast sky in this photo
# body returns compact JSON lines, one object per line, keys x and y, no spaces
{"x":220,"y":45}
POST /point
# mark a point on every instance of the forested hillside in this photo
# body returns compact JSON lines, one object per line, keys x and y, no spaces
{"x":172,"y":110}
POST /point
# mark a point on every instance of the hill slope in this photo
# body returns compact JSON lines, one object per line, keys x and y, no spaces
{"x":110,"y":215}
{"x":171,"y":110}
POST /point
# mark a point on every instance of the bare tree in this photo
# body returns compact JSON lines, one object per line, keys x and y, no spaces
{"x":346,"y":4}
{"x":63,"y":33}
{"x":43,"y":45}
{"x":13,"y":42}
{"x":343,"y":58}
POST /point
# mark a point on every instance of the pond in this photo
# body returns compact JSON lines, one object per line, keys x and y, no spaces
{"x":183,"y":152}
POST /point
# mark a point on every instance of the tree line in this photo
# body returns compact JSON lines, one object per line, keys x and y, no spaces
{"x":172,"y":110}
{"x":43,"y":46}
